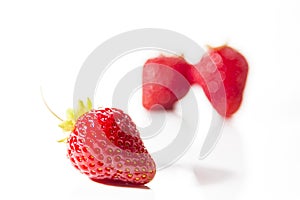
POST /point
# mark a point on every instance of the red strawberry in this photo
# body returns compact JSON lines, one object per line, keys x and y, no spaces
{"x":105,"y":145}
{"x":164,"y":81}
{"x":222,"y":66}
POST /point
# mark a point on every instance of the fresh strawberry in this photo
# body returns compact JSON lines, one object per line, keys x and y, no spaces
{"x":105,"y":145}
{"x":222,"y":66}
{"x":164,"y":81}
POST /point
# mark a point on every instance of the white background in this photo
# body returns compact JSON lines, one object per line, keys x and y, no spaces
{"x":45,"y":44}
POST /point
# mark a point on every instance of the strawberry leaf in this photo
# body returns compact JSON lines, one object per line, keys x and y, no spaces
{"x":72,"y":116}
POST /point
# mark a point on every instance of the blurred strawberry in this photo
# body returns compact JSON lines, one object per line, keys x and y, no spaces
{"x":164,"y":81}
{"x":222,"y":72}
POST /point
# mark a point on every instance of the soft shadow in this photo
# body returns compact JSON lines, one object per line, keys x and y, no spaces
{"x":222,"y":173}
{"x":207,"y":176}
{"x":120,"y":184}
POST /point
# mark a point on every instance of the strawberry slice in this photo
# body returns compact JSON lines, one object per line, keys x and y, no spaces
{"x":165,"y":81}
{"x":105,"y":145}
{"x":222,"y":72}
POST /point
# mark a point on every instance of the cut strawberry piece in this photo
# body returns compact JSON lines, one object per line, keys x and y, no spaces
{"x":222,"y":72}
{"x":105,"y":145}
{"x":165,"y":81}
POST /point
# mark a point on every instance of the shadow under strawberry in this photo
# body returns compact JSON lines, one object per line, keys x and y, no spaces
{"x":120,"y":184}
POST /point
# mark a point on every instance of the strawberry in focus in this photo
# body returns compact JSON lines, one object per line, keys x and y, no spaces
{"x":222,"y":67}
{"x":105,"y":145}
{"x":165,"y":81}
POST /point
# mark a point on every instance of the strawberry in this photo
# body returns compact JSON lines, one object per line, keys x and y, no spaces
{"x":222,"y":66}
{"x":164,"y":81}
{"x":105,"y":145}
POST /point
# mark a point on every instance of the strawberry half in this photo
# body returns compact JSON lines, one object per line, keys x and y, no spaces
{"x":105,"y":145}
{"x":165,"y":81}
{"x":222,"y":66}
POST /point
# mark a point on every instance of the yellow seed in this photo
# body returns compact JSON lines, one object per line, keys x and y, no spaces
{"x":115,"y":176}
{"x":92,"y":164}
{"x":91,"y":157}
{"x":137,"y":178}
{"x":129,"y":175}
{"x":118,"y":151}
{"x":144,"y":176}
{"x":79,"y":159}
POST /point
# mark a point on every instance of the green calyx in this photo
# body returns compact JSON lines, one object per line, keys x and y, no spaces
{"x":73,"y":114}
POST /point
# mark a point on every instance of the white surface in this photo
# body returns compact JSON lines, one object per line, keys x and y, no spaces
{"x":258,"y":156}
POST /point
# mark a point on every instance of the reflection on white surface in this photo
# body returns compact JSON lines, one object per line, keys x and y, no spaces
{"x":221,"y":175}
{"x":91,"y":190}
{"x":207,"y":176}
